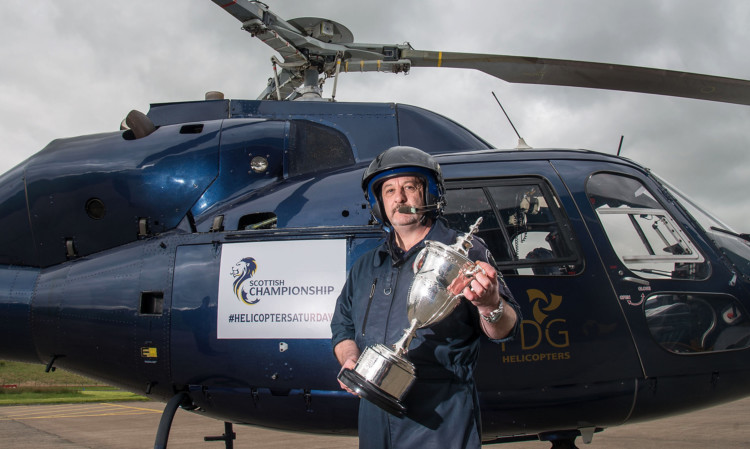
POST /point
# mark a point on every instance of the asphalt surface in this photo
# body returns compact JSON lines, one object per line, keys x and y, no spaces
{"x":134,"y":424}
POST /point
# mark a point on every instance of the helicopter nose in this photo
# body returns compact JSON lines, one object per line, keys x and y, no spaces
{"x":16,"y":293}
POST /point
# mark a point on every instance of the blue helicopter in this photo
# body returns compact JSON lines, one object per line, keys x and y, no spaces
{"x":202,"y":248}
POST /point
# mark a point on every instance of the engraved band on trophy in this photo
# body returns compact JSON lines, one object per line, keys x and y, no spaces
{"x":383,"y":375}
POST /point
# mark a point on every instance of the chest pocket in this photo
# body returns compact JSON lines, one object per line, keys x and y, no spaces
{"x":376,"y":305}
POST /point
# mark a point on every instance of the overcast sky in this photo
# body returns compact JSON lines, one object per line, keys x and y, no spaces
{"x":72,"y":67}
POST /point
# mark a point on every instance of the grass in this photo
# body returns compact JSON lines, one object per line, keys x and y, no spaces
{"x":30,"y":374}
{"x":64,"y":395}
{"x":25,"y":383}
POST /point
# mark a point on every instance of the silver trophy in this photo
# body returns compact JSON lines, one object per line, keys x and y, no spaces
{"x":383,"y":375}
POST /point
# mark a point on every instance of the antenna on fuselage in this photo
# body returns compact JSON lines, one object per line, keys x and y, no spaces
{"x":522,"y":145}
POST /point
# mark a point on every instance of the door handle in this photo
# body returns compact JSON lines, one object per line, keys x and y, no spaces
{"x":636,"y":280}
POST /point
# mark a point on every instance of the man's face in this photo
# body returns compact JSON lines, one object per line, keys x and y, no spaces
{"x":402,"y":191}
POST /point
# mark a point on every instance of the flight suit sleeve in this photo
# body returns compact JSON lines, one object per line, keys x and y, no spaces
{"x":342,"y":324}
{"x":510,"y":301}
{"x":481,"y":252}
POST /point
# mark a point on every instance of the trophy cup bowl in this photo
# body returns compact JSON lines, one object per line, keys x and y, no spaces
{"x":442,"y":273}
{"x":383,"y":375}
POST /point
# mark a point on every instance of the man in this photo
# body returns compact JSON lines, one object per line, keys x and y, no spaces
{"x":442,"y":404}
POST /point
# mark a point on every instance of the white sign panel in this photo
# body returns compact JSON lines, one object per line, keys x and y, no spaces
{"x":282,"y":289}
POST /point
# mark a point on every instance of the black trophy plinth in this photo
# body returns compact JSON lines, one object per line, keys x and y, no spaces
{"x":372,"y":393}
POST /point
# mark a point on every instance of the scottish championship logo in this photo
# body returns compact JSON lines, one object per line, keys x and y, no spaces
{"x":242,"y":272}
{"x":271,"y":295}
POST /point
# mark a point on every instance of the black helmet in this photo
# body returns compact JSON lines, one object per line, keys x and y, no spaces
{"x":400,"y":161}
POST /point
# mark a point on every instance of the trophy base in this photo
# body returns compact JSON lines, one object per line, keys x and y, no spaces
{"x":370,"y":392}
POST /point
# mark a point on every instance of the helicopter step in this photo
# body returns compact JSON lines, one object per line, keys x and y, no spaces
{"x":227,"y":437}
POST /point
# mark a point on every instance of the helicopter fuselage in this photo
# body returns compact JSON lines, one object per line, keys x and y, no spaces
{"x":123,"y":259}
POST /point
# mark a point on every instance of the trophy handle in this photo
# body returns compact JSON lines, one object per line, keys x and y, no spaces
{"x":469,"y":273}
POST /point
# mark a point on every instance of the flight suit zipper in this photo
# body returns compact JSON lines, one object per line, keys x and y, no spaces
{"x":369,"y":303}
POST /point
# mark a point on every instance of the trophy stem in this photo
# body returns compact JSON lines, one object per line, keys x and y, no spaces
{"x":402,"y":345}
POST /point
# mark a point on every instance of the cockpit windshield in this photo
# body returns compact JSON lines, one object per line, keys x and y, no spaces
{"x":734,"y":245}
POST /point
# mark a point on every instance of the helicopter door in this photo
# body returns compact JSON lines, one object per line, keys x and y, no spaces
{"x":573,"y":342}
{"x":676,"y":300}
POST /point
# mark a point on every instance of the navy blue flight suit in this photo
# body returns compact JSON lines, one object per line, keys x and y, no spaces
{"x":442,"y":405}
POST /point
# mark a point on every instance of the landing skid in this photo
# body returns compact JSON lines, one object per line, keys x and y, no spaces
{"x":563,"y":439}
{"x":165,"y":424}
{"x":167,"y":416}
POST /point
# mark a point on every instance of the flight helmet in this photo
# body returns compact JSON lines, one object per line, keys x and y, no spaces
{"x":401,"y":161}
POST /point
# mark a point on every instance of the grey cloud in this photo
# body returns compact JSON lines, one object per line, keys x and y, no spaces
{"x":75,"y":67}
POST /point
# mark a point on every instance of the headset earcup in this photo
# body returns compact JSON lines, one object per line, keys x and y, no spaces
{"x":377,"y":211}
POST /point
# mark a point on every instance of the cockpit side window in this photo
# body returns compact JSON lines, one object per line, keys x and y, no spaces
{"x":523,"y":225}
{"x":647,"y":240}
{"x":314,"y":148}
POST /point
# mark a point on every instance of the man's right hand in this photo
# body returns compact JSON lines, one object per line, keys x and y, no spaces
{"x":350,"y":364}
{"x":347,"y":353}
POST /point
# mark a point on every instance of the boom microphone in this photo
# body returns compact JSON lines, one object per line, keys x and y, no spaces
{"x":417,"y":210}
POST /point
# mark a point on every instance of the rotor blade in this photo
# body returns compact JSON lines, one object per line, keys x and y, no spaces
{"x":245,"y":11}
{"x":284,"y":37}
{"x":558,"y":72}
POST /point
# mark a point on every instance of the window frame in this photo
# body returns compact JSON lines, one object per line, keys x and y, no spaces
{"x":561,"y":220}
{"x":633,"y":263}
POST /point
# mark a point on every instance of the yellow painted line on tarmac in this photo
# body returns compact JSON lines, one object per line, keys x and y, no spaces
{"x":32,"y":410}
{"x":134,"y":408}
{"x":76,"y":415}
{"x":80,"y":411}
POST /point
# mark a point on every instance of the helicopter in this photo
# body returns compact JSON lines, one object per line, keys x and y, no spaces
{"x":632,"y":294}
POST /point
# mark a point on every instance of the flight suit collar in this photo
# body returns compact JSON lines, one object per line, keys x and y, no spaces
{"x":388,"y":249}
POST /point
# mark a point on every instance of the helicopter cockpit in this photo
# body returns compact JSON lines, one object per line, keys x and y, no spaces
{"x":735,"y":246}
{"x":645,"y":237}
{"x":524,"y":228}
{"x":652,"y":245}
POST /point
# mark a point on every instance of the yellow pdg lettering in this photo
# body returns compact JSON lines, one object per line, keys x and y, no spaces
{"x":536,"y":329}
{"x":560,"y":339}
{"x":541,"y":329}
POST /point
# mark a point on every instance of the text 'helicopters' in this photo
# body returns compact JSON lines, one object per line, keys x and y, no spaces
{"x":203,"y":247}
